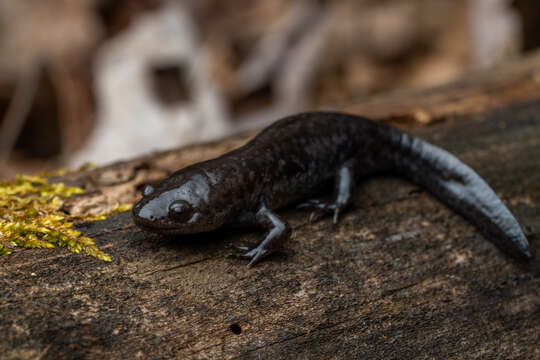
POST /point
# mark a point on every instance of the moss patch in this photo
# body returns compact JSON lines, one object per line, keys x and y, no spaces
{"x":30,"y":217}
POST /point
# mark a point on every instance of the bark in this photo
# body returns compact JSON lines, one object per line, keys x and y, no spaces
{"x":401,"y":276}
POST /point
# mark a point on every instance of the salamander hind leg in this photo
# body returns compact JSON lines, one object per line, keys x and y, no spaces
{"x":277,"y":231}
{"x":343,"y":189}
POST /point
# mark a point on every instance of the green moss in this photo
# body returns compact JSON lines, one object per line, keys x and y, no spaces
{"x":30,"y":217}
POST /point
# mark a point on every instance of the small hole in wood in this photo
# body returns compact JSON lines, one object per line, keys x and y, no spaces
{"x":235,"y":328}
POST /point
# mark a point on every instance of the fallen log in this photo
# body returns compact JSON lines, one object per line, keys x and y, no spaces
{"x":400,"y":276}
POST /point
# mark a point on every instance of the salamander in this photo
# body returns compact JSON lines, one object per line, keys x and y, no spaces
{"x":294,"y":159}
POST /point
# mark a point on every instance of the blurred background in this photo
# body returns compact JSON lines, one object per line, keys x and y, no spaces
{"x":104,"y":80}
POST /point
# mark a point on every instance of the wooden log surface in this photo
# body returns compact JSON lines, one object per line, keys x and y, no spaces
{"x":400,"y":276}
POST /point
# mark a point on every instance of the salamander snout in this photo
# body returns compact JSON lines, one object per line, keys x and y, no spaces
{"x":185,"y":204}
{"x":148,"y":190}
{"x":171,"y":211}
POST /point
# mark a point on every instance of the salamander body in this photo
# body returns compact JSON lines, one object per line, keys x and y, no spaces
{"x":294,"y":159}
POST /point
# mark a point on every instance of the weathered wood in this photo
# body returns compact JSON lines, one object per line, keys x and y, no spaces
{"x":400,"y":276}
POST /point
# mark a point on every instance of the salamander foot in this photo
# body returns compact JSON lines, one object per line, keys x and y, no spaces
{"x":323,"y":205}
{"x":254,"y":255}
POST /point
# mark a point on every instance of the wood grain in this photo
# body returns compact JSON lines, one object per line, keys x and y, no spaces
{"x":400,"y":276}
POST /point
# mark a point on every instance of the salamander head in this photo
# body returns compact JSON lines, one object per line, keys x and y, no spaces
{"x":181,"y":205}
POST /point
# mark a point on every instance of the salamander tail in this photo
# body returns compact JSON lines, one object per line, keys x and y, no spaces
{"x":462,"y":189}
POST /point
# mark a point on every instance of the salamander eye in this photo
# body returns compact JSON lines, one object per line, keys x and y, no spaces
{"x":180,"y":210}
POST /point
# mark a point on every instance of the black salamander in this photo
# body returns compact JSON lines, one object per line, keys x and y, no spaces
{"x":294,"y":158}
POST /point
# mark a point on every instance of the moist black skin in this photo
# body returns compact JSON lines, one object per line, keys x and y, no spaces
{"x":294,"y":158}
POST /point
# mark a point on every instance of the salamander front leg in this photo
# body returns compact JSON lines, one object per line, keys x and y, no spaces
{"x":277,"y":231}
{"x":343,"y":189}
